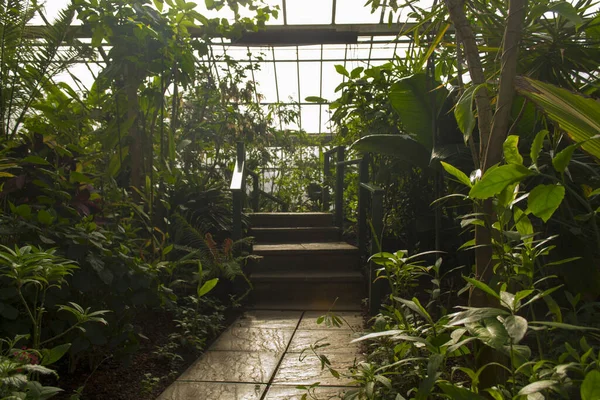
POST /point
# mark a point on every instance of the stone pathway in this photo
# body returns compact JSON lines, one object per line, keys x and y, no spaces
{"x":258,"y":358}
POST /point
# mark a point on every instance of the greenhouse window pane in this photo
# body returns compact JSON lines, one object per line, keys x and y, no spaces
{"x":310,"y":118}
{"x":334,"y":52}
{"x":287,"y":79}
{"x":331,"y":79}
{"x":309,"y":12}
{"x":310,"y":75}
{"x":265,"y":82}
{"x":355,"y":12}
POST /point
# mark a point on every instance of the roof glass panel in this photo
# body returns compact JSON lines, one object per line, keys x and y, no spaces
{"x":309,"y":12}
{"x":355,"y":12}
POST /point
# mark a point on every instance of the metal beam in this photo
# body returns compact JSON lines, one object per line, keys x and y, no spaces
{"x":275,"y":35}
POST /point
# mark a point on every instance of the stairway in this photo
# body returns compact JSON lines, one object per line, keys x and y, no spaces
{"x":305,"y":265}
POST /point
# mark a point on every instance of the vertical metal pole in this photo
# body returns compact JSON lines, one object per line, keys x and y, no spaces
{"x":240,"y":154}
{"x":339,"y":188}
{"x":238,"y":195}
{"x":363,"y":199}
{"x":376,"y":288}
{"x":237,"y":215}
{"x":255,"y":194}
{"x":326,"y":182}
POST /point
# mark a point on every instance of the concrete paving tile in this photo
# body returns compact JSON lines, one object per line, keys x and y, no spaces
{"x":233,"y":366}
{"x":213,"y":391}
{"x":339,"y":340}
{"x":285,"y":392}
{"x":354,"y":319}
{"x":268,"y":319}
{"x":292,"y":371}
{"x":254,"y":339}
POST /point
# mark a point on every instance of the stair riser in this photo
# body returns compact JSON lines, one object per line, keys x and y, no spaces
{"x":295,"y":236}
{"x":310,"y":262}
{"x":309,"y":292}
{"x":293,"y":220}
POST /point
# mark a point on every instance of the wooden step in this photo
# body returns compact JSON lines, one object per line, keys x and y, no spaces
{"x":309,"y":290}
{"x":301,"y":257}
{"x":296,"y":234}
{"x":288,"y":220}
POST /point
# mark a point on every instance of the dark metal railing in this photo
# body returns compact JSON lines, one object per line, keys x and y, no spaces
{"x":370,"y":206}
{"x":238,"y":191}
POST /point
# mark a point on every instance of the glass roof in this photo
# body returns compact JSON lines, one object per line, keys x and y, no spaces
{"x":288,"y":74}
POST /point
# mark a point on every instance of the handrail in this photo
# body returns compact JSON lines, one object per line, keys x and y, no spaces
{"x":282,"y":203}
{"x":356,"y":161}
{"x":238,"y":191}
{"x":371,"y":188}
{"x":367,"y":193}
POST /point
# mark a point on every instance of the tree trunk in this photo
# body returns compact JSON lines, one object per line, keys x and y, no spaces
{"x":136,"y":147}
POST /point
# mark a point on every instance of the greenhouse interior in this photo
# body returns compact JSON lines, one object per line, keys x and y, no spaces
{"x":299,"y":199}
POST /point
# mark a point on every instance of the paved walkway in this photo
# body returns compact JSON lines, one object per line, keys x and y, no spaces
{"x":258,"y":358}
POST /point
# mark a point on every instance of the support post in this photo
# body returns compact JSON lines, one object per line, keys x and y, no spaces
{"x":237,"y":215}
{"x":363,"y":200}
{"x":339,"y":188}
{"x":255,"y":193}
{"x":326,"y":181}
{"x":238,"y":191}
{"x":376,"y":288}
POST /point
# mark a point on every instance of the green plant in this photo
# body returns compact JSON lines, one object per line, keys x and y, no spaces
{"x":20,"y":370}
{"x":32,"y":272}
{"x":149,"y":383}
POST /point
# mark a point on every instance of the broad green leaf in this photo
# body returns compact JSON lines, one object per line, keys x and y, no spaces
{"x":78,"y":177}
{"x":590,"y":388}
{"x":402,"y":147}
{"x":516,"y":326}
{"x":464,"y":113}
{"x":563,"y":158}
{"x":536,"y":146}
{"x":482,"y":286}
{"x":507,"y":300}
{"x":490,"y":331}
{"x":495,"y":180}
{"x":159,"y":5}
{"x":316,"y":99}
{"x":458,"y":393}
{"x":566,"y":10}
{"x":207,"y":287}
{"x":411,"y":99}
{"x":536,"y":387}
{"x":44,"y":217}
{"x":457,"y":173}
{"x":511,"y":150}
{"x":50,"y":356}
{"x":23,"y":210}
{"x":554,"y":308}
{"x":341,"y":70}
{"x":98,"y":35}
{"x":6,"y":175}
{"x":523,"y":224}
{"x":543,"y":200}
{"x":35,"y":160}
{"x":355,"y":74}
{"x":578,"y":116}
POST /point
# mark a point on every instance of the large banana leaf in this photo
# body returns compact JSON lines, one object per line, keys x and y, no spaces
{"x":412,"y":101}
{"x":578,"y":116}
{"x":403,"y":147}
